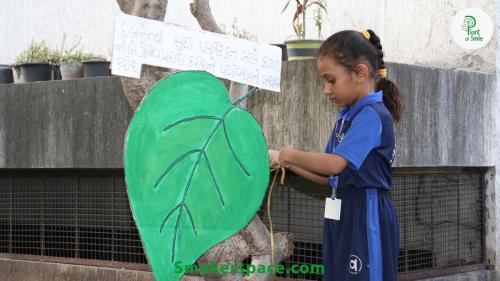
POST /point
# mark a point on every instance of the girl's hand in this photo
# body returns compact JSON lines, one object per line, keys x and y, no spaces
{"x":285,"y":156}
{"x":274,"y":159}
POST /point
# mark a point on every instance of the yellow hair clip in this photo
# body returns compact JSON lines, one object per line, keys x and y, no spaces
{"x":366,"y":34}
{"x":382,"y":72}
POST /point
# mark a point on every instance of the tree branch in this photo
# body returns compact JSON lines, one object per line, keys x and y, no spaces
{"x":201,"y":10}
{"x":254,"y":239}
{"x":127,"y":6}
{"x":255,"y":235}
{"x":151,"y":9}
{"x":136,"y":89}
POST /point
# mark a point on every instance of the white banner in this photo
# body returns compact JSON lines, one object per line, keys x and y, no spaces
{"x":141,"y":41}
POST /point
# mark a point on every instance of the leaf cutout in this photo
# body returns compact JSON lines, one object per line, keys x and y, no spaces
{"x":196,"y":169}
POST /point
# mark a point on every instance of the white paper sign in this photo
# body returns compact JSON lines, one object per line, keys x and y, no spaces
{"x":141,"y":41}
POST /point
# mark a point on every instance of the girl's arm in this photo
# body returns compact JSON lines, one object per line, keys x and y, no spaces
{"x":310,"y":176}
{"x":274,"y":163}
{"x":317,"y":163}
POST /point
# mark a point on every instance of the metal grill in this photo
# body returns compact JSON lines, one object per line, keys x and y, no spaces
{"x":68,"y":214}
{"x":441,"y":220}
{"x":82,"y":216}
{"x":440,"y":216}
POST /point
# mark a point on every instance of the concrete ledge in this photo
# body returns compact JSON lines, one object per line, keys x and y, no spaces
{"x":448,"y":118}
{"x":15,"y":270}
{"x":448,"y":121}
{"x":480,"y":275}
{"x":77,"y":123}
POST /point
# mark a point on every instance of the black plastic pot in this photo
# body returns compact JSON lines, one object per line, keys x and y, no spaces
{"x":284,"y":55}
{"x":56,"y":72}
{"x":96,"y":68}
{"x":32,"y":72}
{"x":6,"y":75}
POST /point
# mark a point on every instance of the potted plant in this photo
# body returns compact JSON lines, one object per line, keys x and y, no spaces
{"x":34,"y":63}
{"x":96,"y":66}
{"x":6,"y":74}
{"x":302,"y":48}
{"x":71,"y":61}
{"x":71,"y":64}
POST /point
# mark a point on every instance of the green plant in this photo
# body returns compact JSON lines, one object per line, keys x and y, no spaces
{"x":54,"y":57}
{"x":318,"y":17}
{"x":238,"y":32}
{"x":73,"y":55}
{"x":93,"y":57}
{"x":299,"y":17}
{"x":37,"y":52}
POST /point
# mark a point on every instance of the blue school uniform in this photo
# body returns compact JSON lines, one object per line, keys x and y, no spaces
{"x":364,"y":244}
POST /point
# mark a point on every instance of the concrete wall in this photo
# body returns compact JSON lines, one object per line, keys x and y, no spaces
{"x":495,"y":181}
{"x":13,"y":270}
{"x":412,"y":32}
{"x":481,"y":275}
{"x":448,"y":119}
{"x":81,"y":123}
{"x":63,"y":124}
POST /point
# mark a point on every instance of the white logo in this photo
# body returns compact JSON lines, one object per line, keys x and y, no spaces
{"x":472,"y":28}
{"x":355,"y":264}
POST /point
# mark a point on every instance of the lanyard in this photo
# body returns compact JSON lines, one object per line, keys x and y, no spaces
{"x":342,"y":125}
{"x":333,"y":182}
{"x":339,"y":132}
{"x":334,"y":179}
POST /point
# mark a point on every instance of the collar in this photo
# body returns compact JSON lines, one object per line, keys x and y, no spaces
{"x":373,"y":97}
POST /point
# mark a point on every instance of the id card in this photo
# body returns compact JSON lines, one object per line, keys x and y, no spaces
{"x":332,"y":208}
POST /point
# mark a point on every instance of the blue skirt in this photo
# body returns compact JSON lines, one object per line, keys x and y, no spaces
{"x":364,"y":243}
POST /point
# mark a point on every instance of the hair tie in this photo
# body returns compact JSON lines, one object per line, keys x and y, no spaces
{"x":366,"y":34}
{"x":382,"y":72}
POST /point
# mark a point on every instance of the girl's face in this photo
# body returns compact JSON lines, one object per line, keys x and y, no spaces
{"x":340,"y":84}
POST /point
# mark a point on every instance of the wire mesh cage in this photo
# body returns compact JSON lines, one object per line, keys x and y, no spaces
{"x":84,"y":215}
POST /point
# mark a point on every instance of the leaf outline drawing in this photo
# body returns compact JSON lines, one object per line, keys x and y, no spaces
{"x":201,"y":152}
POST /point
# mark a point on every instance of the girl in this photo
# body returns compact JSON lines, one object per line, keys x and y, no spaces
{"x":361,"y":240}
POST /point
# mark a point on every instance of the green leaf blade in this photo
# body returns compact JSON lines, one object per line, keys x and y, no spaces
{"x":196,"y":169}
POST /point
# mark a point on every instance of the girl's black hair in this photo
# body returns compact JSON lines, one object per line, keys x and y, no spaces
{"x":348,"y":47}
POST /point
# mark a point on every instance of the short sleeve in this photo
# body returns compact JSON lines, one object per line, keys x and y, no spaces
{"x":364,"y":135}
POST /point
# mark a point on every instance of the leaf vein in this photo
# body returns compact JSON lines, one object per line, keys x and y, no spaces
{"x":200,"y":117}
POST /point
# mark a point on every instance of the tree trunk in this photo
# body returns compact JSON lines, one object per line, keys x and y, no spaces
{"x":255,"y":234}
{"x":254,"y":239}
{"x":136,"y":89}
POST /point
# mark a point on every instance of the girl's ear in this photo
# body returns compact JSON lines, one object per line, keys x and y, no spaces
{"x":361,"y":73}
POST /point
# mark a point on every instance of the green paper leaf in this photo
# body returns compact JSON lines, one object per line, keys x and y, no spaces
{"x":196,"y":169}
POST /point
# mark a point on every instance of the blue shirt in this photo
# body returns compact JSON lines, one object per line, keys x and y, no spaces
{"x":364,"y":136}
